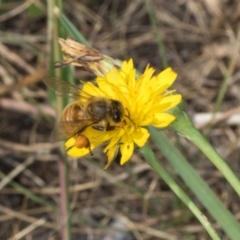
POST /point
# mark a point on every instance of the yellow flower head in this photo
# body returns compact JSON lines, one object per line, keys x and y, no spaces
{"x":145,"y":102}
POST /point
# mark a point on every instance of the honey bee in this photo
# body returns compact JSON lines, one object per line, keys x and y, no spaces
{"x":98,"y":112}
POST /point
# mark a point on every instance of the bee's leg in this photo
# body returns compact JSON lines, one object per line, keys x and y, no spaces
{"x":103,"y":127}
{"x":90,"y":151}
{"x":89,"y":148}
{"x":110,"y":128}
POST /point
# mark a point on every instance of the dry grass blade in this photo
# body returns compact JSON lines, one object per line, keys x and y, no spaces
{"x":143,"y":228}
{"x":33,"y":148}
{"x":232,"y":117}
{"x":16,"y":171}
{"x":15,"y":11}
{"x":12,"y":57}
{"x":27,"y":218}
{"x":54,"y":191}
{"x":28,"y":229}
{"x":28,"y":80}
{"x":27,"y":108}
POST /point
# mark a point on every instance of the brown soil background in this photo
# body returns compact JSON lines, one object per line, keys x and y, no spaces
{"x":201,"y":40}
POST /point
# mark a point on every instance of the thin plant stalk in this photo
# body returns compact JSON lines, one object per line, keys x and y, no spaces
{"x":55,"y":32}
{"x":223,"y":88}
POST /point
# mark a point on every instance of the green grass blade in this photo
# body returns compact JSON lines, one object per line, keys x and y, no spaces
{"x":214,"y":206}
{"x":150,"y":158}
{"x":157,"y":33}
{"x":71,"y":29}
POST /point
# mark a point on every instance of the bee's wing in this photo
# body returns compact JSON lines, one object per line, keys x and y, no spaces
{"x":62,"y":88}
{"x":64,"y":130}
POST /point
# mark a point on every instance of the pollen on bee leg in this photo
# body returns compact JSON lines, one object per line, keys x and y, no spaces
{"x":83,"y":142}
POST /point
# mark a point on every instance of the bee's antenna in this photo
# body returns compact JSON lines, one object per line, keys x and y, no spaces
{"x":128,"y":116}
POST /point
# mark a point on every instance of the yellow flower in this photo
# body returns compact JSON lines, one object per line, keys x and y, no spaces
{"x":145,"y":102}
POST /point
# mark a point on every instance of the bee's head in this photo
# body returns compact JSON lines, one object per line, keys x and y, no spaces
{"x":117,"y":111}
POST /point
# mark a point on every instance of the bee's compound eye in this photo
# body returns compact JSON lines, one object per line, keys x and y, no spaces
{"x":117,"y":116}
{"x":117,"y":111}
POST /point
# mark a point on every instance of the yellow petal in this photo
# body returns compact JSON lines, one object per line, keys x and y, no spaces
{"x":173,"y":100}
{"x":164,"y":80}
{"x":126,"y":151}
{"x":113,"y":142}
{"x":70,"y":142}
{"x":140,"y":136}
{"x":147,"y":120}
{"x":130,"y":80}
{"x":112,"y":153}
{"x":91,"y":89}
{"x":107,"y":89}
{"x":127,"y":66}
{"x":78,"y":152}
{"x":114,"y":77}
{"x":165,"y":103}
{"x":143,"y":85}
{"x":162,"y":120}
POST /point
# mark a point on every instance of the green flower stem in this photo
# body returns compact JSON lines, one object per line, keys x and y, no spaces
{"x":205,"y":195}
{"x":185,"y":127}
{"x":150,"y":158}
